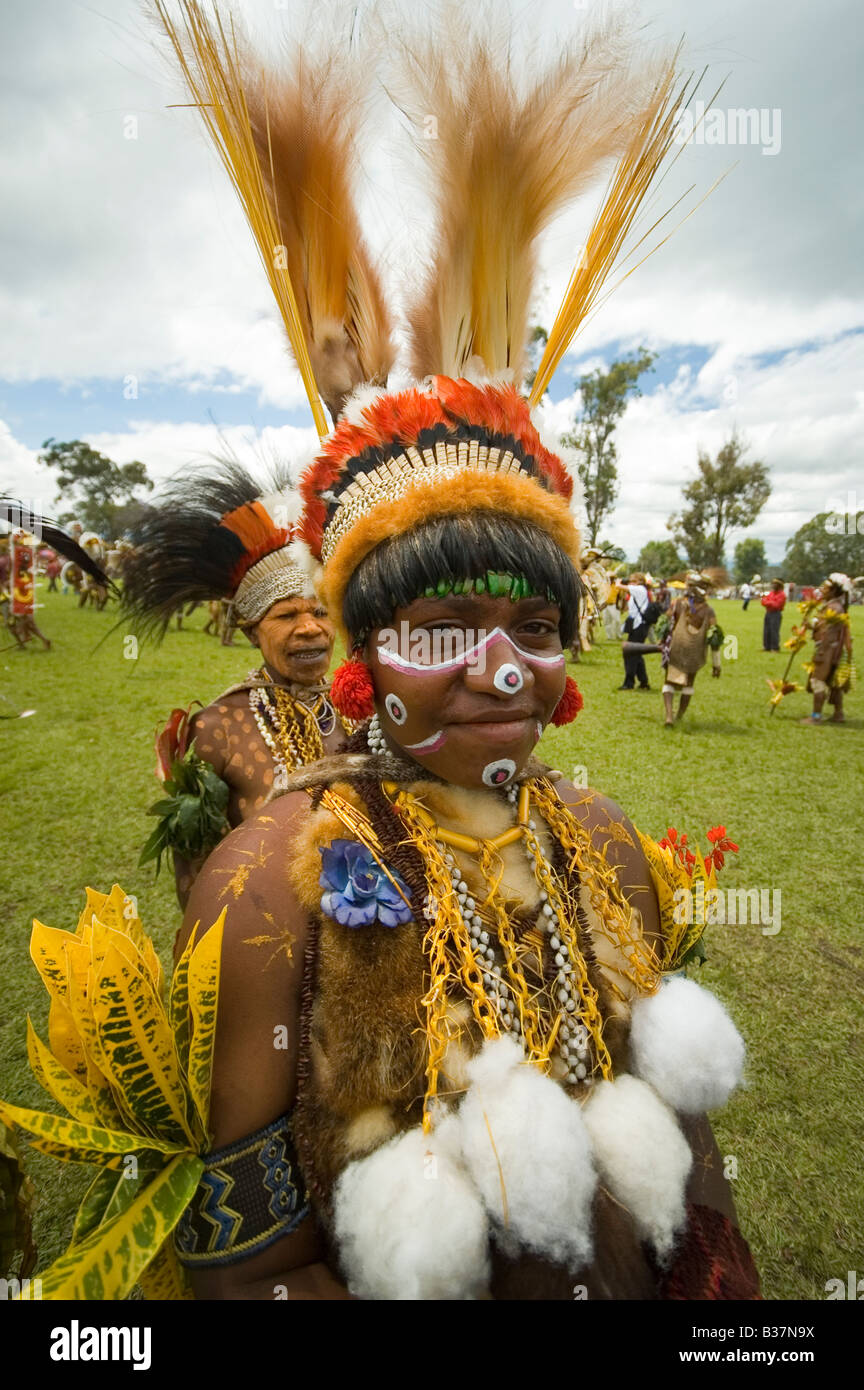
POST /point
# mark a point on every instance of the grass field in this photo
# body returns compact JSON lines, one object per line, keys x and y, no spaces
{"x":77,"y":777}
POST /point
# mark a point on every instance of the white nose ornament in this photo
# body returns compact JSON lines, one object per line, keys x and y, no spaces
{"x":508,"y":678}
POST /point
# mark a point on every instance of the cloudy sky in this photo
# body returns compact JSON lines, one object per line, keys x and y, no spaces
{"x":135,"y":314}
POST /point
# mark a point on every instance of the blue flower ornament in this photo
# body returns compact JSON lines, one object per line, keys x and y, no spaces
{"x":358,"y":891}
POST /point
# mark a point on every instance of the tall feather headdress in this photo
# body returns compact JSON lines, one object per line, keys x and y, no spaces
{"x":287,"y":141}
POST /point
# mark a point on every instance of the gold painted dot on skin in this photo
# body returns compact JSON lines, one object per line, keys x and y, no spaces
{"x":238,"y":715}
{"x":268,"y":776}
{"x":242,"y":803}
{"x":219,"y":734}
{"x":247,"y":727}
{"x":223,"y":709}
{"x":260,"y":757}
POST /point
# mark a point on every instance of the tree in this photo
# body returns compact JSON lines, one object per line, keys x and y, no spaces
{"x":612,"y":552}
{"x":659,"y":558}
{"x":828,"y":542}
{"x":604,"y":400}
{"x":727,"y":493}
{"x":750,"y":559}
{"x":94,"y":486}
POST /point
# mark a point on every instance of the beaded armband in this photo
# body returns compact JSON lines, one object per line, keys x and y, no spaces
{"x":250,"y":1194}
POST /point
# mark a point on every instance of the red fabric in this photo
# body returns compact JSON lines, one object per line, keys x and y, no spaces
{"x":352,"y":691}
{"x":713,"y":1261}
{"x":775,"y":601}
{"x":569,"y":705}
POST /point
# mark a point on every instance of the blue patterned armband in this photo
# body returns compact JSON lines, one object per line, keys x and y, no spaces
{"x":250,"y":1194}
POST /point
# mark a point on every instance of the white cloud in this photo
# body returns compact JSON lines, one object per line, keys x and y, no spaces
{"x":130,"y":255}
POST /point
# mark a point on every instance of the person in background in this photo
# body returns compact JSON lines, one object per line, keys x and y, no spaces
{"x":694,"y":633}
{"x":746,"y":593}
{"x":831,"y":672}
{"x":773,"y":602}
{"x":636,"y":629}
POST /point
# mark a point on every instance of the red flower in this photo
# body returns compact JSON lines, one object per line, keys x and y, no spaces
{"x":172,"y":741}
{"x":352,"y":691}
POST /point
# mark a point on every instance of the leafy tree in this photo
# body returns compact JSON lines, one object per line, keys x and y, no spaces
{"x":612,"y":552}
{"x":659,"y":558}
{"x":604,"y":399}
{"x":828,"y":542}
{"x":728,"y":493}
{"x":94,"y":486}
{"x":750,"y":559}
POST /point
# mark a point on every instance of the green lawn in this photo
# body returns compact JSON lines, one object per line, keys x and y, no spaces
{"x":77,"y":777}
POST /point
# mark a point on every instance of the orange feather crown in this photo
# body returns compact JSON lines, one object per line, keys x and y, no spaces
{"x":457,"y":447}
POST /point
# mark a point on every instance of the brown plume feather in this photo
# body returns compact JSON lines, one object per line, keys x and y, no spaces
{"x":309,"y":115}
{"x":508,"y":151}
{"x":287,"y":142}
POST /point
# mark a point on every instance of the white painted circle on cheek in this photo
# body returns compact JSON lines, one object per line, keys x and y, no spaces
{"x":395,"y":708}
{"x":508,"y":678}
{"x":497,"y":773}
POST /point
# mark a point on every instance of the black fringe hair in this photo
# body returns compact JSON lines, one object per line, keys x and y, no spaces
{"x":182,"y":555}
{"x":400,"y":569}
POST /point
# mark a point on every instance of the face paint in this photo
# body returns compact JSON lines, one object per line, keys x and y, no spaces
{"x":472,"y":657}
{"x":474,"y":717}
{"x":427,"y":745}
{"x":497,"y":773}
{"x":508,"y":678}
{"x":396,"y":710}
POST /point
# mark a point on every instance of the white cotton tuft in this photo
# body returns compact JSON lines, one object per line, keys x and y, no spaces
{"x":526,"y":1147}
{"x":409,"y":1223}
{"x":685,"y":1045}
{"x":642,"y":1156}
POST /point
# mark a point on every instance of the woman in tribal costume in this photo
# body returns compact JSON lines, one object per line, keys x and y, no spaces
{"x":693,"y":633}
{"x":215,"y":535}
{"x":830,"y":672}
{"x":455,"y":1057}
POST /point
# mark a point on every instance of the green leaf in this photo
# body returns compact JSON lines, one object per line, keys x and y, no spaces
{"x":107,"y":1263}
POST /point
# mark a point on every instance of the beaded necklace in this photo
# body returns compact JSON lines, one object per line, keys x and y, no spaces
{"x":504,"y":968}
{"x":293,"y":730}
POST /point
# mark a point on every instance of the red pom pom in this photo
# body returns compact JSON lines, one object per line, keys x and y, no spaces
{"x":569,"y":705}
{"x":352,"y":691}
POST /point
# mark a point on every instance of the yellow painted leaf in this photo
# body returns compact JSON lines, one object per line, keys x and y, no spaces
{"x":119,"y":911}
{"x":63,"y":1039}
{"x":60,"y":1084}
{"x":93,"y":1205}
{"x":203,"y":986}
{"x":99,"y":1080}
{"x":178,"y":1003}
{"x":48,"y":953}
{"x":153,"y":965}
{"x":114,"y":1191}
{"x":110,"y":1261}
{"x":139,"y":1048}
{"x":74,"y":1134}
{"x":164,"y":1279}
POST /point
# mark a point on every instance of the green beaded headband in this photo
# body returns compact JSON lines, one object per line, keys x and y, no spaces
{"x":497,"y":585}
